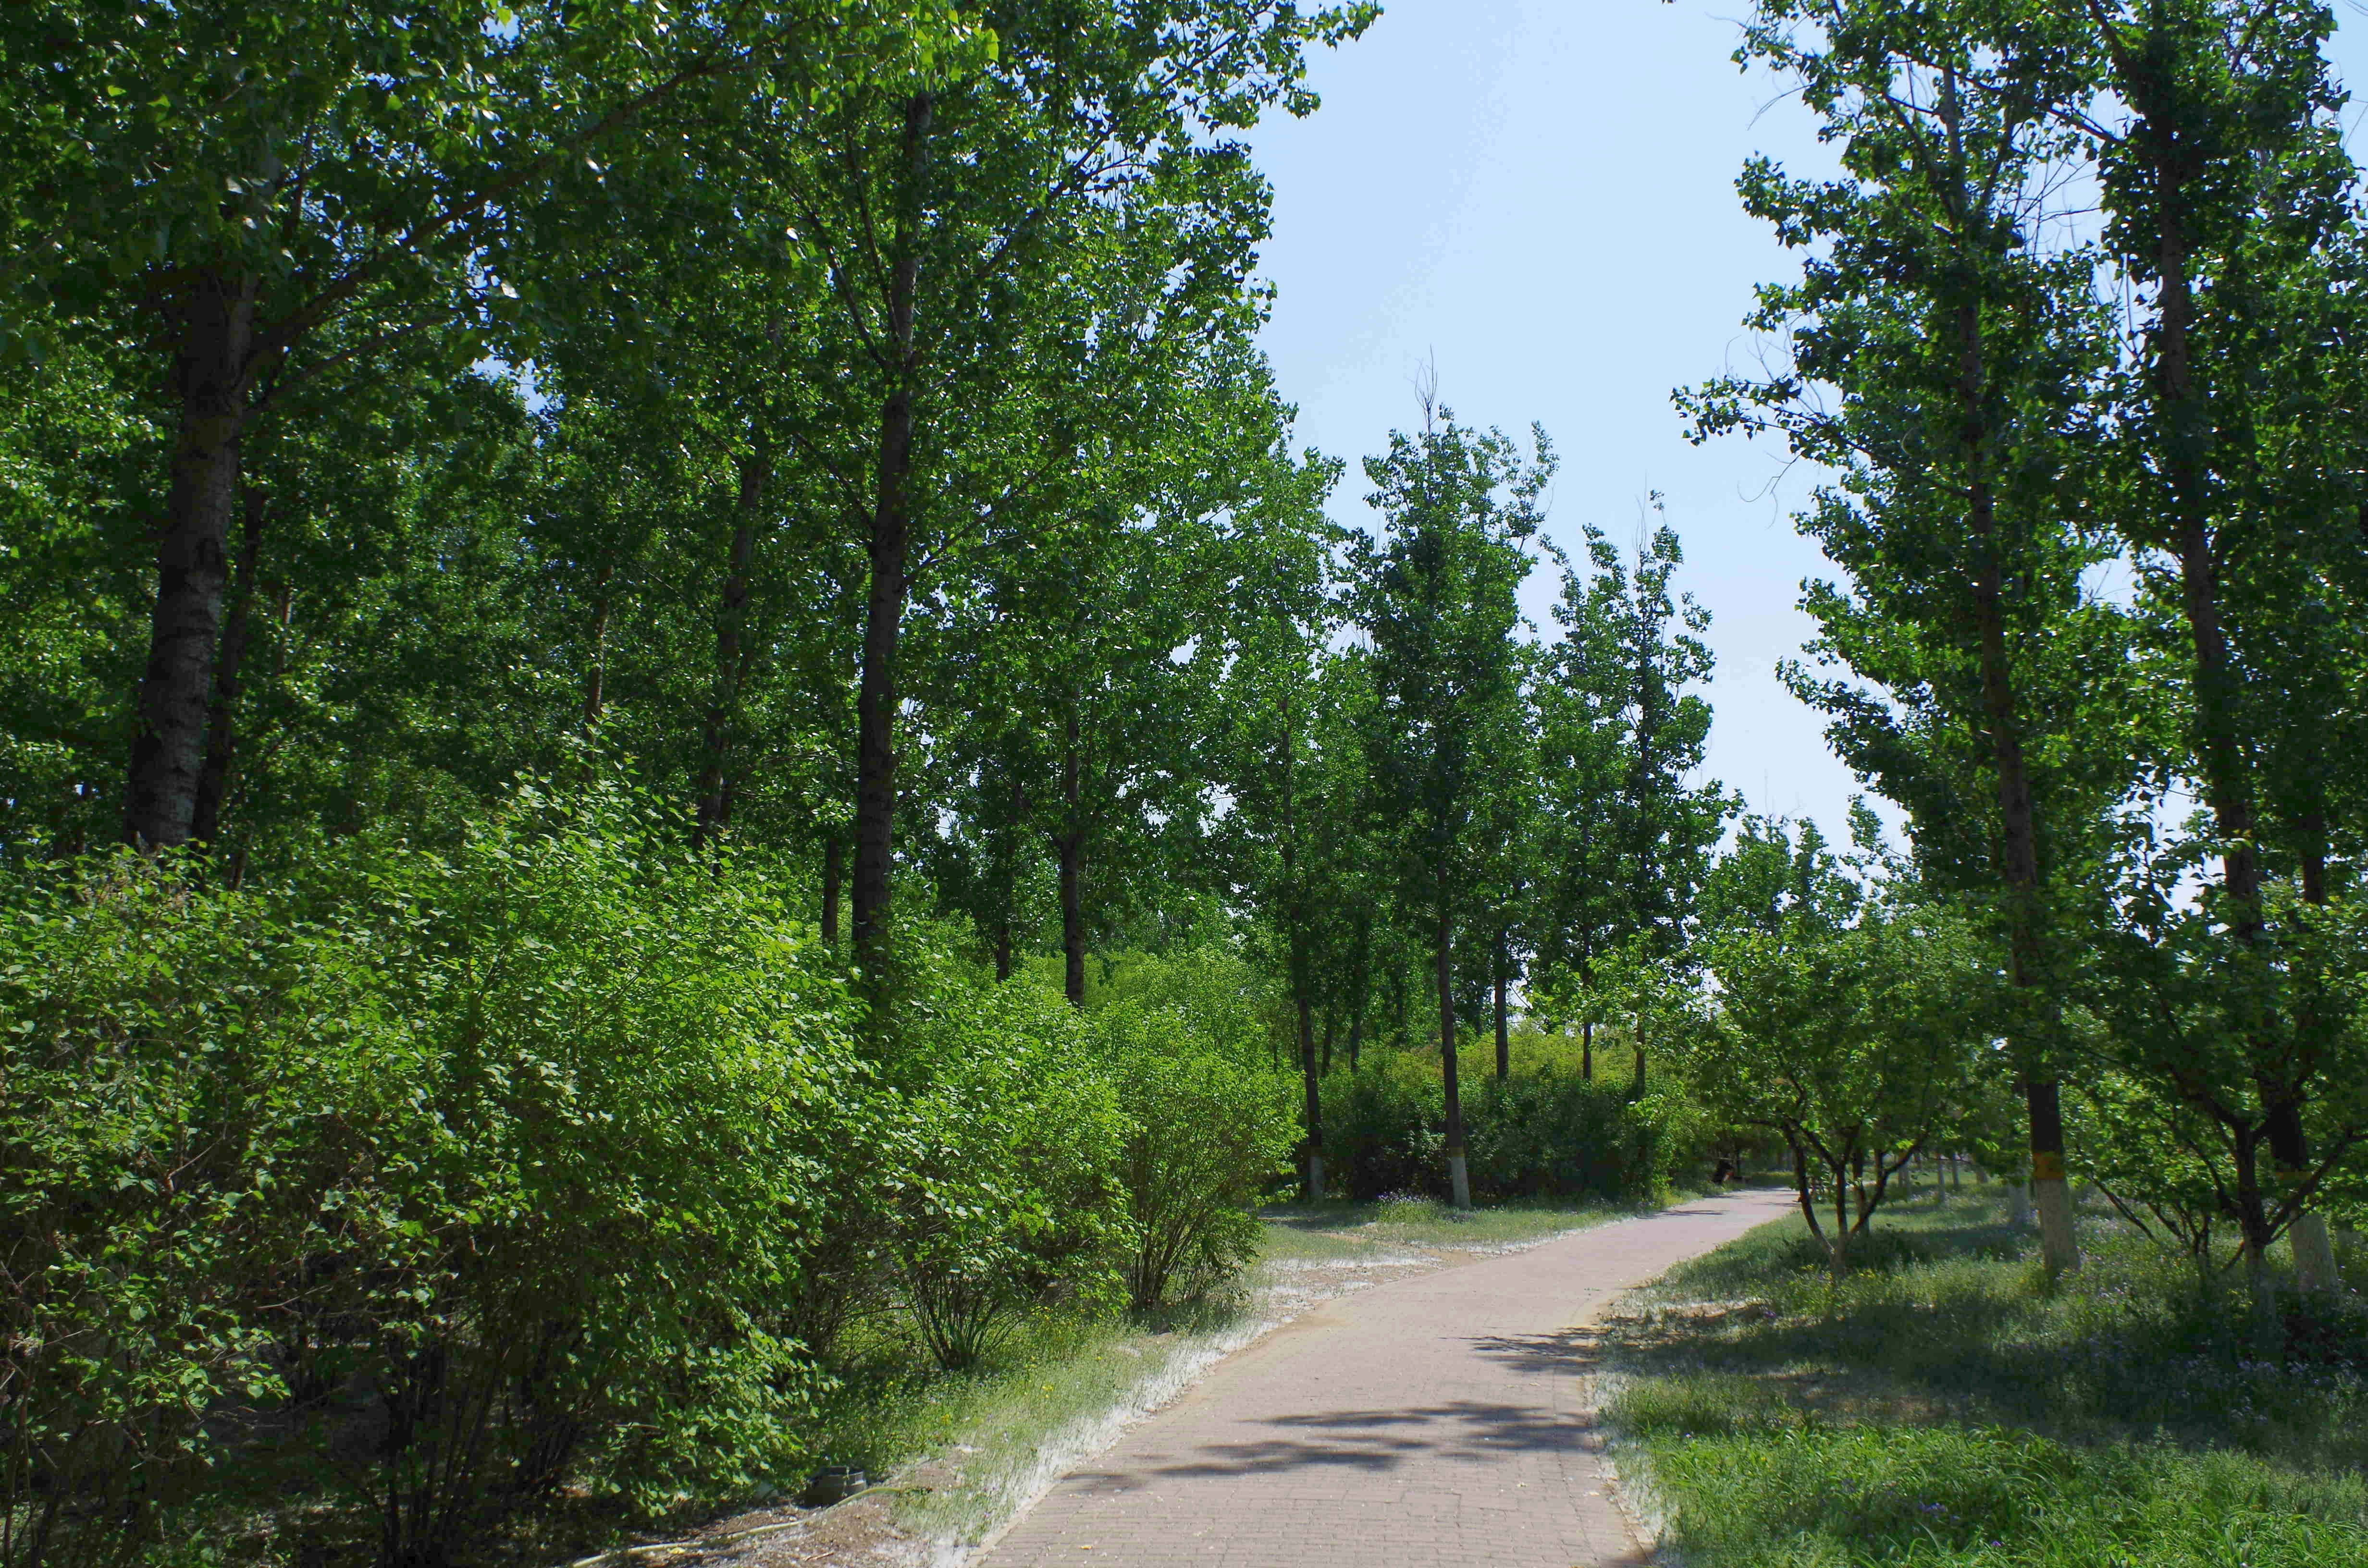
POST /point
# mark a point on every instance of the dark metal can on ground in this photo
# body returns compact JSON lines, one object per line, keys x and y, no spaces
{"x":832,"y":1484}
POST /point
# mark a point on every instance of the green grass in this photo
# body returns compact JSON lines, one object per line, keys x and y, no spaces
{"x":962,"y":1450}
{"x":1400,"y":1222}
{"x":1946,"y":1406}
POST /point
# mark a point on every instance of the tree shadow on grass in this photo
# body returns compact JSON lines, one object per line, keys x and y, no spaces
{"x":1948,"y":1320}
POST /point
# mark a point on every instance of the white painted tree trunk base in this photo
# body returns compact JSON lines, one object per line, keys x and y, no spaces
{"x":2059,"y":1248}
{"x":1458,"y":1181}
{"x":2314,"y":1253}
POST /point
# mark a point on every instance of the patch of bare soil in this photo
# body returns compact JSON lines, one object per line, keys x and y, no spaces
{"x":856,"y":1533}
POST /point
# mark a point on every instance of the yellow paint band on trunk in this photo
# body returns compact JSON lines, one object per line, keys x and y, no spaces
{"x":2047,"y":1167}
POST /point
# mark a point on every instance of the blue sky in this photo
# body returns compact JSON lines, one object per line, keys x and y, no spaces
{"x":1539,"y":195}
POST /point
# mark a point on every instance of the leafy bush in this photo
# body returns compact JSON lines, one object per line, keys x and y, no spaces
{"x":1558,"y":1135}
{"x":1205,"y":1132}
{"x":1539,"y":1134}
{"x":445,"y":1176}
{"x":1383,"y":1128}
{"x":1226,"y":1005}
{"x":1012,"y":1149}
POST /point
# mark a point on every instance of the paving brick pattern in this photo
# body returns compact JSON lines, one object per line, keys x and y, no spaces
{"x":1430,"y":1423}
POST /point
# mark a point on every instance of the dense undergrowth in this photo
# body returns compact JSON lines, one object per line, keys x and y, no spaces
{"x":441,"y":1205}
{"x":1543,"y":1132}
{"x":426,"y":1206}
{"x":1945,"y":1405}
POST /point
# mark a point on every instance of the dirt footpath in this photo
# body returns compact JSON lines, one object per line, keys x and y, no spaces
{"x":1443,"y":1419}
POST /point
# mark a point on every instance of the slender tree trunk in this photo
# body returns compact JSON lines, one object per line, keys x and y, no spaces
{"x":1294,"y":913}
{"x":595,"y":677}
{"x":1356,"y":1022}
{"x":1504,"y":1031}
{"x":1800,"y":1188}
{"x":211,"y":374}
{"x":887,"y":550}
{"x":1587,"y":1049}
{"x":834,"y":872}
{"x":1360,"y":980}
{"x":2314,"y":1252}
{"x":222,"y":717}
{"x":2059,"y":1245}
{"x":1840,"y":1243}
{"x":1072,"y":849}
{"x":2220,"y":742}
{"x":731,"y":628}
{"x":1003,"y":948}
{"x":1459,"y":1178}
{"x":1311,"y":1084}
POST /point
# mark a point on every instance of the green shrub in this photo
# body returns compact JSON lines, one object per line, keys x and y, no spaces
{"x":1543,"y":1133}
{"x":1206,"y":1131}
{"x":440,"y":1178}
{"x":1226,"y":1005}
{"x":1010,"y":1151}
{"x":1557,"y":1135}
{"x":1383,"y":1128}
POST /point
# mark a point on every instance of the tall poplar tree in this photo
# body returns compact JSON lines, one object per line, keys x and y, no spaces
{"x":1961,"y":354}
{"x":1435,"y":595}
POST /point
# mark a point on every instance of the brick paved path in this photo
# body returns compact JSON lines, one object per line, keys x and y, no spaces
{"x":1432,"y":1423}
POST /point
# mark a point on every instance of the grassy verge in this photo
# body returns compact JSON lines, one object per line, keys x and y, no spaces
{"x":1345,"y":1228}
{"x":965,"y":1450}
{"x":1945,"y":1406}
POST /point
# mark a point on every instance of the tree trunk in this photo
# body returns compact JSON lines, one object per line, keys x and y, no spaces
{"x":2059,"y":1246}
{"x":2314,"y":1252}
{"x":1313,"y":1085}
{"x":1331,"y":1026}
{"x":1839,"y":1243}
{"x":731,"y":627}
{"x":1002,"y":948}
{"x":211,"y":376}
{"x":2174,"y":160}
{"x":1072,"y":922}
{"x":1504,"y":1032}
{"x":1459,"y":1180}
{"x":1360,"y":980}
{"x":834,"y":871}
{"x":887,"y":550}
{"x":1072,"y":849}
{"x":596,"y":674}
{"x":1294,"y":912}
{"x":1587,"y":1049}
{"x":222,"y":717}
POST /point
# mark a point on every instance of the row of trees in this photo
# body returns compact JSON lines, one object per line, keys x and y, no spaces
{"x":2075,"y":333}
{"x":609,"y":607}
{"x":842,"y":416}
